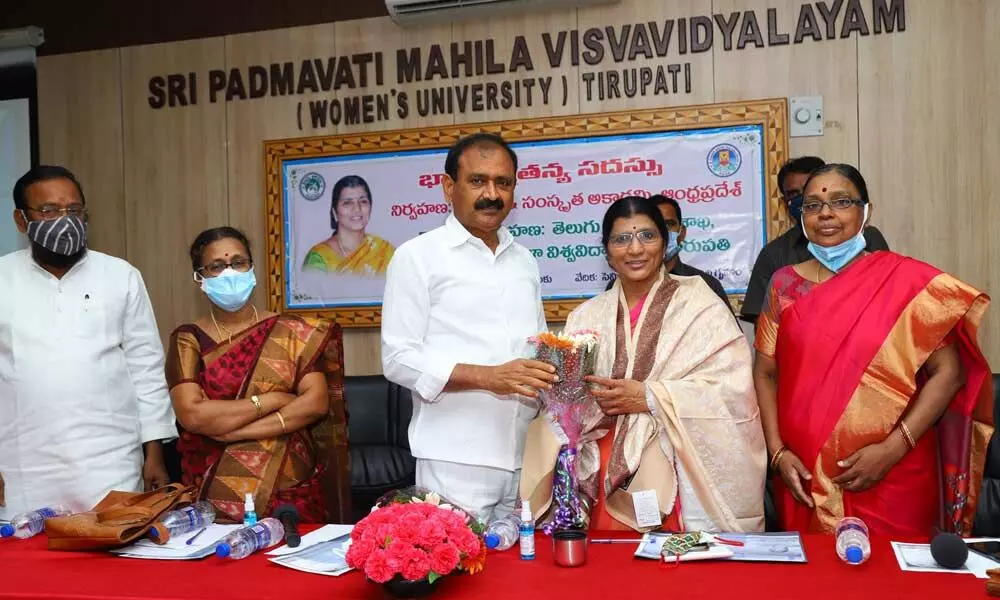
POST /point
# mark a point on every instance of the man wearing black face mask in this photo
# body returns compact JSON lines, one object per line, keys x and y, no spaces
{"x":460,"y":303}
{"x":790,"y":247}
{"x":82,"y":387}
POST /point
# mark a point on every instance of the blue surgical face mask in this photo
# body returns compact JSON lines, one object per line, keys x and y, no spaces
{"x":836,"y":257}
{"x":795,"y":207}
{"x":229,"y":290}
{"x":673,"y":248}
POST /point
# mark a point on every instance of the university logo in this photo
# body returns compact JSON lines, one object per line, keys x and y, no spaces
{"x":724,"y":160}
{"x":312,"y":186}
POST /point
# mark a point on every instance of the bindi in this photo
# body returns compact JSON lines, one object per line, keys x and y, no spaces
{"x":824,"y":189}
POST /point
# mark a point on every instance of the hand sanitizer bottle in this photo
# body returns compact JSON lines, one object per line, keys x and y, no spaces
{"x":527,"y":531}
{"x":249,"y":512}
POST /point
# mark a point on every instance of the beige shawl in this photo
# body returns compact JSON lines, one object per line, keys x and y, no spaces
{"x":703,"y":439}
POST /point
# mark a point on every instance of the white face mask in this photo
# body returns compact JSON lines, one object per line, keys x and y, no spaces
{"x":836,"y":257}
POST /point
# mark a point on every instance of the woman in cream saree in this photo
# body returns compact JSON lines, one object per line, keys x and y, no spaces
{"x":673,"y":381}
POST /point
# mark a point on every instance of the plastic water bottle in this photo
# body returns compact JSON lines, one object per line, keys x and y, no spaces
{"x":503,"y":533}
{"x":852,"y":541}
{"x":26,"y":525}
{"x":245,"y":541}
{"x":527,"y":532}
{"x":178,"y":522}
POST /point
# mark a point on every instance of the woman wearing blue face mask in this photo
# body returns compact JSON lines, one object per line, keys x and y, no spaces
{"x":259,"y":395}
{"x":875,"y":398}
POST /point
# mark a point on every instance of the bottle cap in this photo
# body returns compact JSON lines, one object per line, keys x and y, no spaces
{"x":7,"y":530}
{"x":525,"y":510}
{"x":248,"y":502}
{"x":492,"y":540}
{"x":154,"y":531}
{"x":854,"y":555}
{"x":223,"y":550}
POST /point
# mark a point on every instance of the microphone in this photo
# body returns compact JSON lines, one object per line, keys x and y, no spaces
{"x":949,"y":550}
{"x":289,"y":517}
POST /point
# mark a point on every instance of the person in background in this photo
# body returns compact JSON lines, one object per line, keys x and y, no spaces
{"x":876,"y":399}
{"x":671,"y":212}
{"x":83,"y":401}
{"x":350,"y":249}
{"x":460,"y":303}
{"x":790,"y":248}
{"x":673,"y":380}
{"x":259,"y":395}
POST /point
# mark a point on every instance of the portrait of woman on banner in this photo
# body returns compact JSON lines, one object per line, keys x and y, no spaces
{"x":350,"y":249}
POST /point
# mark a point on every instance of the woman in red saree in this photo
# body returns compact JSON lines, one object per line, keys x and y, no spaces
{"x":259,"y":396}
{"x":876,"y":400}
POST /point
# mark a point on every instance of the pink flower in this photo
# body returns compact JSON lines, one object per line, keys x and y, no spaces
{"x":444,"y":559}
{"x":377,"y":569}
{"x":398,"y":553}
{"x":417,"y":565}
{"x":430,"y":533}
{"x":359,"y":552}
{"x":466,"y":541}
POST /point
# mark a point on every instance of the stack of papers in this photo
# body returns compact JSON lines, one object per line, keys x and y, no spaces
{"x":323,"y":551}
{"x":178,"y":548}
{"x":751,"y":547}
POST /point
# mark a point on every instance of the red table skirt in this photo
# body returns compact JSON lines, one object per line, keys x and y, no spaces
{"x":28,"y":570}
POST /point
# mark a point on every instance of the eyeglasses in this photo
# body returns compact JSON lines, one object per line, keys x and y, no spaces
{"x":646,"y":237}
{"x":214,"y":269}
{"x":812,"y":207}
{"x":51,"y":213}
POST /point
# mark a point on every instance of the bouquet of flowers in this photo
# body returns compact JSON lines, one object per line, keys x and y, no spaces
{"x":414,"y":535}
{"x":571,"y":407}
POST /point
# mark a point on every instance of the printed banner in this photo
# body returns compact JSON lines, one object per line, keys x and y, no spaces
{"x":564,"y":187}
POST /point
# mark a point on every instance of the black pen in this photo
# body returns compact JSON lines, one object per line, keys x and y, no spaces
{"x":616,"y":541}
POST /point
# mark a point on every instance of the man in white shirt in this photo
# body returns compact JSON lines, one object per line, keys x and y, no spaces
{"x":82,"y":386}
{"x":460,"y":303}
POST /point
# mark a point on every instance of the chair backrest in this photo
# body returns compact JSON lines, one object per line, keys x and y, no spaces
{"x":379,"y":410}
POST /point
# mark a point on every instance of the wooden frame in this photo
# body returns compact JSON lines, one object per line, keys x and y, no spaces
{"x":770,"y":114}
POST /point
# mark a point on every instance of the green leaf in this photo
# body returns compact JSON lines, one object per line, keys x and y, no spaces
{"x":432,"y":577}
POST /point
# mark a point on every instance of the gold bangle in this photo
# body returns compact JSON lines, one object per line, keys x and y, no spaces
{"x":907,"y":436}
{"x":777,"y":457}
{"x":281,"y":420}
{"x":257,"y":405}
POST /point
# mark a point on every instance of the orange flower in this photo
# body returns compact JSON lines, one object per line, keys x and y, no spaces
{"x":475,"y":564}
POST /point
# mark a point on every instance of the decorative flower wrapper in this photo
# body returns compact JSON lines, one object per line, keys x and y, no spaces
{"x":418,"y":494}
{"x":570,"y":407}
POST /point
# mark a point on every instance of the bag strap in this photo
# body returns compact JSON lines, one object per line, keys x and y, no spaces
{"x":146,"y":506}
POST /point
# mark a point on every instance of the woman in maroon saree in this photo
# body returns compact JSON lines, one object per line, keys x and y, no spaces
{"x":876,"y":399}
{"x":259,"y":396}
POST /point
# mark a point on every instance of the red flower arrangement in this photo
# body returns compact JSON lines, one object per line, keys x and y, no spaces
{"x":415,"y":539}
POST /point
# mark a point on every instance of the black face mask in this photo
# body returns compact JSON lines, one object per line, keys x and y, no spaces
{"x":48,"y":258}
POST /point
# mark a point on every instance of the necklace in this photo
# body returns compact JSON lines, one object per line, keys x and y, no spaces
{"x":220,"y":328}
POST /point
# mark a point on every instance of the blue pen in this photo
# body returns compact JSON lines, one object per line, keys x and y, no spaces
{"x":193,"y":537}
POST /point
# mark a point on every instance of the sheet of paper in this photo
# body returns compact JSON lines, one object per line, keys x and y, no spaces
{"x":647,"y":509}
{"x":765,"y":547}
{"x":178,"y":549}
{"x":917,"y":557}
{"x":323,"y":558}
{"x":212,"y":534}
{"x":323,"y":534}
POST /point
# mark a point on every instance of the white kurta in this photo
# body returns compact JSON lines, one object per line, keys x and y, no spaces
{"x":82,"y":384}
{"x":450,"y":300}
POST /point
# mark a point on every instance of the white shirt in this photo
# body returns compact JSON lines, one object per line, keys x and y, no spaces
{"x":449,"y":300}
{"x":82,"y":385}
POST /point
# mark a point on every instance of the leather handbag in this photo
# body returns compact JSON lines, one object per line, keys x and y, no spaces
{"x":117,"y":520}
